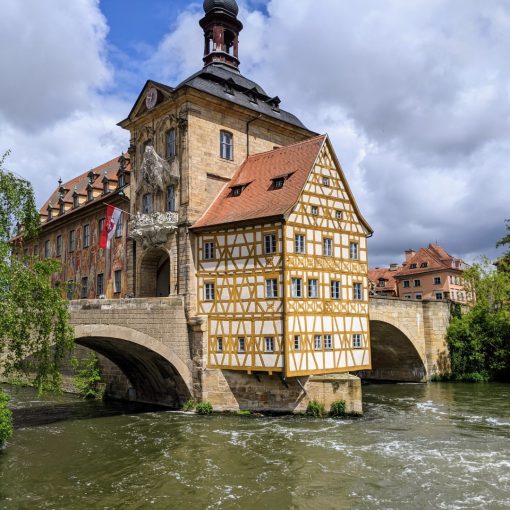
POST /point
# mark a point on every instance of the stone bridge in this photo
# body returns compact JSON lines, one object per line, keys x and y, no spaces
{"x":162,"y":358}
{"x":408,"y":339}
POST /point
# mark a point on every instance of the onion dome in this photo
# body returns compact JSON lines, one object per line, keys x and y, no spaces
{"x":227,"y":5}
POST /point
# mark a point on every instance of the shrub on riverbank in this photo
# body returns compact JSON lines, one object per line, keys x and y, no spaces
{"x":479,"y":340}
{"x":315,"y":409}
{"x":5,"y":419}
{"x":204,"y":408}
{"x":337,"y":409}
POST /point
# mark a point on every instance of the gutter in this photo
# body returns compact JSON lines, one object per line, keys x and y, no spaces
{"x":248,"y":132}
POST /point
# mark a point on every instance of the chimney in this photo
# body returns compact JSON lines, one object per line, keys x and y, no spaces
{"x":410,"y":253}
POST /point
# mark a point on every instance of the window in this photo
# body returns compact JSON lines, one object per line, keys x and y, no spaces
{"x":417,"y":283}
{"x":412,"y":266}
{"x":417,"y":296}
{"x":271,"y":288}
{"x":106,"y":186}
{"x":297,"y":288}
{"x":299,"y":243}
{"x":100,"y":285}
{"x":269,"y":344}
{"x":315,"y":210}
{"x":328,"y":342}
{"x":327,"y":247}
{"x":325,"y":181}
{"x":122,"y":180}
{"x":209,"y":250}
{"x":50,"y":213}
{"x":90,"y":194}
{"x":117,"y":281}
{"x":100,"y":227}
{"x":62,"y":208}
{"x":226,"y":145}
{"x":147,"y":203}
{"x":407,"y":296}
{"x":84,"y":287}
{"x":47,"y":249}
{"x":338,"y":214}
{"x":353,"y":251}
{"x":439,"y":295}
{"x":236,"y":190}
{"x":297,"y":342}
{"x":407,"y":284}
{"x":278,"y":183}
{"x":170,"y":198}
{"x":170,"y":143}
{"x":86,"y":235}
{"x":219,"y":344}
{"x":357,"y":291}
{"x":313,"y":288}
{"x":317,"y":342}
{"x":270,"y":243}
{"x":240,"y":344}
{"x":59,"y":246}
{"x":335,"y":289}
{"x":437,"y":280}
{"x":424,"y":264}
{"x":72,"y":240}
{"x":382,"y":282}
{"x":356,"y":340}
{"x":76,"y":200}
{"x":118,"y":227}
{"x":70,"y":289}
{"x":209,"y":291}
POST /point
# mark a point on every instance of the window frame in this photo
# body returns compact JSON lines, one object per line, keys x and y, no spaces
{"x":147,"y":203}
{"x":327,"y":242}
{"x":328,"y":342}
{"x":84,"y":287}
{"x":171,"y":142}
{"x":357,"y":341}
{"x":58,"y":246}
{"x":357,"y":291}
{"x":241,"y":344}
{"x":226,"y":145}
{"x":100,"y":284}
{"x":297,"y":288}
{"x":72,"y":240}
{"x":335,"y":293}
{"x":417,"y":282}
{"x":317,"y":342}
{"x":209,"y":292}
{"x":313,"y":288}
{"x":117,"y":281}
{"x":297,"y":342}
{"x":437,"y":280}
{"x":86,"y":235}
{"x":300,"y":243}
{"x":170,"y":198}
{"x":209,"y":250}
{"x":271,"y":288}
{"x":273,"y":243}
{"x":47,"y":249}
{"x":353,"y":250}
{"x":269,"y":344}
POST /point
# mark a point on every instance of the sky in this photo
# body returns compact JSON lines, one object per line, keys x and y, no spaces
{"x":415,"y":96}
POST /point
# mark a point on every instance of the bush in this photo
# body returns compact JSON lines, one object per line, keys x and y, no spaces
{"x":189,"y":405}
{"x":204,"y":408}
{"x":337,"y":409}
{"x":315,"y":409}
{"x":87,"y":377}
{"x":5,"y":419}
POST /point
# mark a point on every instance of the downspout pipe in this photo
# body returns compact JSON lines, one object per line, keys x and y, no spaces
{"x":248,"y":132}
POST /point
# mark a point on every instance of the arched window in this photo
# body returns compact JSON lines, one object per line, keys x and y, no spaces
{"x":171,"y":149}
{"x":226,"y":145}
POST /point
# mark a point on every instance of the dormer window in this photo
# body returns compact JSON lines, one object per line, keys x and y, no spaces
{"x":382,"y":282}
{"x":278,"y":183}
{"x":91,"y":177}
{"x":50,"y":212}
{"x":252,"y":96}
{"x":122,"y":180}
{"x":275,"y":104}
{"x":62,"y":207}
{"x":106,"y":186}
{"x":76,"y":200}
{"x":229,"y":86}
{"x":413,"y":266}
{"x":90,"y":194}
{"x":424,"y":264}
{"x":236,"y":191}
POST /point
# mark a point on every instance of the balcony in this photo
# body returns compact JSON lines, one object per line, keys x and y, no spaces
{"x":152,"y":230}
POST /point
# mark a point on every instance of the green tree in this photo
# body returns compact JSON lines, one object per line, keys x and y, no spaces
{"x":35,"y":334}
{"x":5,"y":419}
{"x":504,"y":261}
{"x":479,"y":340}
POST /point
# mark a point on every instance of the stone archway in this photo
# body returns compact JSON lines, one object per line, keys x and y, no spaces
{"x":394,"y":356}
{"x":153,"y":275}
{"x":157,"y":374}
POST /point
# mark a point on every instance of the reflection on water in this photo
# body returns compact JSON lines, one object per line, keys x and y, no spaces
{"x":418,"y":446}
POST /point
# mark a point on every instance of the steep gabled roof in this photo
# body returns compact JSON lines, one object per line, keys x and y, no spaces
{"x":430,"y":259}
{"x":259,"y":199}
{"x":383,"y":273}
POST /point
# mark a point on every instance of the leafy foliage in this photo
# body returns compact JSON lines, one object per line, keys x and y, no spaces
{"x":87,"y":376}
{"x":5,"y":419}
{"x":315,"y":409}
{"x":505,"y":241}
{"x":204,"y":408}
{"x":337,"y":409}
{"x":34,"y":331}
{"x":479,"y":340}
{"x":189,"y":405}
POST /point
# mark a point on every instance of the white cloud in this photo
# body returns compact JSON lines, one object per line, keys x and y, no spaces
{"x":54,"y":67}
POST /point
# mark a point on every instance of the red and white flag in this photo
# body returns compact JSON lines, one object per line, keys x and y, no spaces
{"x":113,"y":215}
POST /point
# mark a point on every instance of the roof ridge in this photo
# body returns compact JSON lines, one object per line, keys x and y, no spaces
{"x":284,"y":147}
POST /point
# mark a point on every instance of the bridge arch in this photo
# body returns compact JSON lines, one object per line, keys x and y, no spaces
{"x":395,"y":356}
{"x":157,"y":374}
{"x":153,"y":273}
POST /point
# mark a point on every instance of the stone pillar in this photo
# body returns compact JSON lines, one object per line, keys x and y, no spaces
{"x":436,"y":319}
{"x":198,"y":350}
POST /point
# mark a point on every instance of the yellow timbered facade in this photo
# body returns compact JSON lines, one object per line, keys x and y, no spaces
{"x":282,"y":266}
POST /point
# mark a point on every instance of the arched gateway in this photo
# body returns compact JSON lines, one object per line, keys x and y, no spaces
{"x":158,"y":374}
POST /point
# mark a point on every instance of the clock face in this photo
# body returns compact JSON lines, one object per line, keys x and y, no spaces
{"x":151,"y":98}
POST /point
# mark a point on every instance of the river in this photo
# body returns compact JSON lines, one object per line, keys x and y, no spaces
{"x":427,"y":446}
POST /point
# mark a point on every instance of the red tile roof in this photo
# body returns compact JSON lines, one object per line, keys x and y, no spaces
{"x":384,"y":273}
{"x":435,"y":257}
{"x":79,"y":184}
{"x":259,"y":199}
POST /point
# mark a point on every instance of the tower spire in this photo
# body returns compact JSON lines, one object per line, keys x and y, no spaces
{"x":221,"y":32}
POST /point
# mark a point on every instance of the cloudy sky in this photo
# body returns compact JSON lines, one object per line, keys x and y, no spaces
{"x":414,"y":94}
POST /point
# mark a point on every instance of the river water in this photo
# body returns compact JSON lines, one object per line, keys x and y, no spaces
{"x":439,"y":445}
